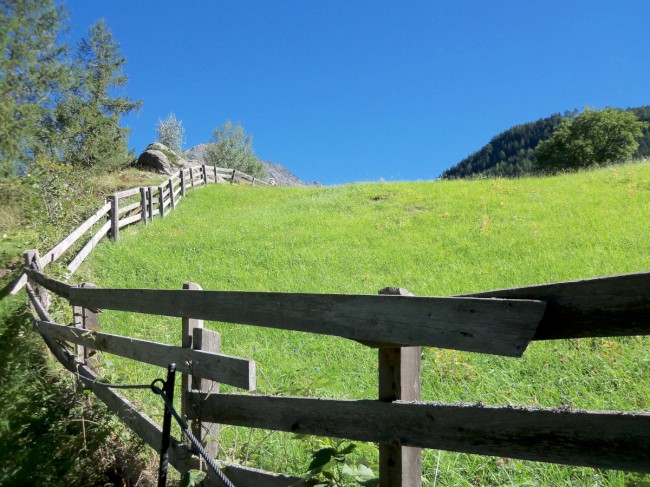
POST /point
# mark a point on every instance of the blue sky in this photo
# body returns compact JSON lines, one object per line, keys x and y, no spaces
{"x":362,"y":90}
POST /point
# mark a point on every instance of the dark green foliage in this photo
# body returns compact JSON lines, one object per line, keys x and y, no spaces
{"x":592,"y":138}
{"x":232,"y":148}
{"x":32,"y":70}
{"x":50,"y":432}
{"x":86,"y":118}
{"x":509,"y":154}
{"x":512,"y":153}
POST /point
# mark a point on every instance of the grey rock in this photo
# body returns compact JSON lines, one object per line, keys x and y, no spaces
{"x":160,"y":158}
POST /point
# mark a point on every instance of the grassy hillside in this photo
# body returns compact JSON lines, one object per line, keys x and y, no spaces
{"x":436,"y":238}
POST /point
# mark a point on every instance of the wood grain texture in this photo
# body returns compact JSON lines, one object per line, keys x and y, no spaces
{"x":127,"y":192}
{"x":128,"y":221}
{"x":115,"y":218}
{"x":126,"y":209}
{"x":605,"y":306}
{"x":86,"y":249}
{"x":502,"y":327}
{"x":399,"y":380}
{"x":237,"y":372}
{"x":599,"y":439}
{"x":144,"y":208}
{"x":57,"y":287}
{"x":70,"y":240}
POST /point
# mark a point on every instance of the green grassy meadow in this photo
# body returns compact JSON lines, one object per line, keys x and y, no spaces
{"x":435,"y":239}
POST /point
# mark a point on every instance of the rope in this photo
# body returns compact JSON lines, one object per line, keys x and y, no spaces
{"x":195,"y":443}
{"x":183,"y":425}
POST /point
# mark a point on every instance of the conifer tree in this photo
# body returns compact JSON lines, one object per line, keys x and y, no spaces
{"x":88,"y":117}
{"x":32,"y":71}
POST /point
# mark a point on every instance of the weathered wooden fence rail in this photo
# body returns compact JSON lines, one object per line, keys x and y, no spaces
{"x":499,"y":322}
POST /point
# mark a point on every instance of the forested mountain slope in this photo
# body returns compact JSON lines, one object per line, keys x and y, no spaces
{"x":512,"y":152}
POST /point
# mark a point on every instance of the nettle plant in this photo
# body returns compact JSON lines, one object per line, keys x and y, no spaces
{"x":337,"y":463}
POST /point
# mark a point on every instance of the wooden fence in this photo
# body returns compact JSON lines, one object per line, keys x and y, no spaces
{"x":394,"y":323}
{"x":135,"y":205}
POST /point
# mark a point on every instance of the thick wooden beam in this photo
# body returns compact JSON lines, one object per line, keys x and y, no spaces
{"x":57,"y":287}
{"x":399,"y":380}
{"x":600,"y":439}
{"x":90,"y":245}
{"x":234,"y":371}
{"x":502,"y":327}
{"x":143,"y":205}
{"x":600,"y":307}
{"x":115,"y":218}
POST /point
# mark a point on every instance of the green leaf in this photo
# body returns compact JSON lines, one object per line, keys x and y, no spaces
{"x":348,"y":449}
{"x":192,"y":478}
{"x":321,"y":458}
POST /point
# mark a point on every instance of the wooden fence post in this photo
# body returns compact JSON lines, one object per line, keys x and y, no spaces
{"x":143,"y":204}
{"x":253,"y":184}
{"x":171,"y":194}
{"x":161,"y":201}
{"x":191,"y":178}
{"x":150,"y":200}
{"x":86,"y":319}
{"x":205,"y":175}
{"x":183,"y":183}
{"x":216,"y":175}
{"x":232,"y":179}
{"x":115,"y":217}
{"x":399,"y":379}
{"x":196,"y":337}
{"x":32,"y":260}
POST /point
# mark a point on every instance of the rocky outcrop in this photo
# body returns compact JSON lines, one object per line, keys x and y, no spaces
{"x":275,"y":171}
{"x":160,"y":158}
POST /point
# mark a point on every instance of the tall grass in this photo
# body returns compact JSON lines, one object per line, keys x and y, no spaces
{"x":433,"y":238}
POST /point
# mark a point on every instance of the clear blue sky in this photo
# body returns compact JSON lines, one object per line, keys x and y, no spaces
{"x":341,"y":91}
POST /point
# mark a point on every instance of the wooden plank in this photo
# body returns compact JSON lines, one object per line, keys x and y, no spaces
{"x":90,"y":245}
{"x":183,"y":183}
{"x":57,"y":287}
{"x":234,"y":371}
{"x":170,"y":192}
{"x":161,"y":204}
{"x":188,"y":325}
{"x":128,"y":221}
{"x":166,"y":203}
{"x":207,"y":432}
{"x":18,"y":284}
{"x":143,"y":205}
{"x":502,"y":327}
{"x":600,"y":439}
{"x":126,"y":193}
{"x":126,"y":209}
{"x":399,"y":380}
{"x":150,"y":202}
{"x":602,"y":307}
{"x":115,"y":218}
{"x":176,"y":197}
{"x":253,"y":477}
{"x":205,"y":174}
{"x":70,"y":240}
